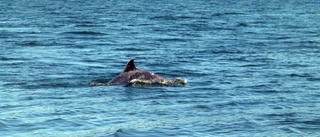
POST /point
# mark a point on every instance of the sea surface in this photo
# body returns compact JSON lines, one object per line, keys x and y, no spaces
{"x":253,"y":68}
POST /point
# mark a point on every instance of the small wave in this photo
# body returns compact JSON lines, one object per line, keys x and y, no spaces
{"x":94,"y":83}
{"x":172,"y":18}
{"x":99,"y":82}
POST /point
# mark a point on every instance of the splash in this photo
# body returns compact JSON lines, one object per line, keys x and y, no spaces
{"x":158,"y":82}
{"x":146,"y":83}
{"x":96,"y":83}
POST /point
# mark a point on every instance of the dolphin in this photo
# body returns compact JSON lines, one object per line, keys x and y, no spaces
{"x":130,"y":72}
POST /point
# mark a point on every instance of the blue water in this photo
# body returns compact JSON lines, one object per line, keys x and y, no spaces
{"x":252,"y":68}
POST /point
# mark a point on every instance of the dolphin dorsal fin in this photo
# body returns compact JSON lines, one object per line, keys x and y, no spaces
{"x":130,"y":66}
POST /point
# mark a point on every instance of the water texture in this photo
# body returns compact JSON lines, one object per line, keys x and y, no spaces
{"x":252,"y":68}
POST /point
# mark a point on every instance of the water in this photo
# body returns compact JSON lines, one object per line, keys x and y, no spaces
{"x":252,"y":68}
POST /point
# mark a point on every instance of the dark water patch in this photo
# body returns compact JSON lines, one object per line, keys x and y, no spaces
{"x":12,"y":59}
{"x":205,"y":108}
{"x":13,"y":84}
{"x":314,"y":122}
{"x":309,"y":44}
{"x":278,"y":107}
{"x":202,"y":26}
{"x":295,"y":65}
{"x":46,"y":96}
{"x":267,"y":91}
{"x":4,"y":127}
{"x":242,"y":24}
{"x":32,"y":43}
{"x":254,"y":65}
{"x":302,"y":75}
{"x":87,"y":33}
{"x":132,"y":48}
{"x":172,"y":39}
{"x":242,"y":59}
{"x":226,"y":14}
{"x":145,"y":24}
{"x":88,"y":24}
{"x":284,"y":115}
{"x":187,"y":101}
{"x":282,"y":38}
{"x":313,"y":79}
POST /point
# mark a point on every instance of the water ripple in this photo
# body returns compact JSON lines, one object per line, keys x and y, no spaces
{"x":251,"y":71}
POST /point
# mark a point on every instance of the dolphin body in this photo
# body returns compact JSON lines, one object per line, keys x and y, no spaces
{"x":130,"y":73}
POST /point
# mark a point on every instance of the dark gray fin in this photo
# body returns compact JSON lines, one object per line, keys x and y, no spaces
{"x":130,"y":66}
